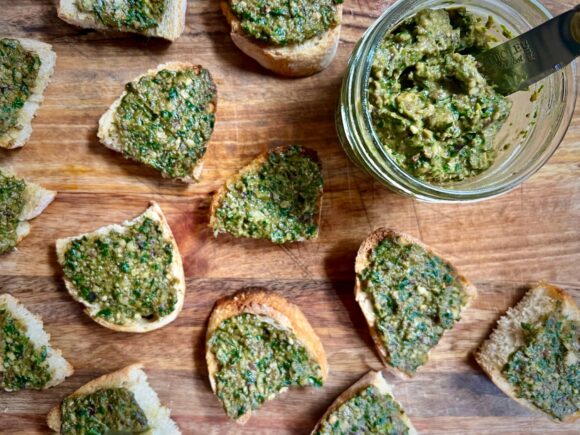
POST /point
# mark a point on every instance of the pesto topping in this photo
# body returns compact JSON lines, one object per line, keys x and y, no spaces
{"x":283,"y":22}
{"x":18,"y":72}
{"x":415,"y":296}
{"x":368,"y":412}
{"x":104,"y":412}
{"x":278,"y":201}
{"x":545,"y":370}
{"x":25,"y":366}
{"x":136,"y":15}
{"x":12,"y":203}
{"x":127,"y":273}
{"x":258,"y":359}
{"x":431,"y":108}
{"x":165,"y":120}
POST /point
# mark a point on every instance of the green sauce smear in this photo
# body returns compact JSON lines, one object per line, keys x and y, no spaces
{"x":137,"y":15}
{"x":12,"y":201}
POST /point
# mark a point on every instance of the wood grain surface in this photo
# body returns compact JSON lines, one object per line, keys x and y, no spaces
{"x":502,"y":245}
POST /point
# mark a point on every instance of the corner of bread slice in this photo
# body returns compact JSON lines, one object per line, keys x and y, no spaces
{"x":140,"y":325}
{"x":17,"y":137}
{"x":362,"y":262}
{"x":58,"y":366}
{"x":262,"y":302}
{"x":295,"y":60}
{"x":375,"y":379}
{"x":134,"y":379}
{"x":508,"y":336}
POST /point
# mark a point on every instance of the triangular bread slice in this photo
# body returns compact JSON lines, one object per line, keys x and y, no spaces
{"x":134,"y":379}
{"x":507,"y":337}
{"x":295,"y":60}
{"x":18,"y":137}
{"x":58,"y":367}
{"x":36,"y":199}
{"x":140,"y":324}
{"x":171,"y":26}
{"x":362,"y":261}
{"x":374,"y":379}
{"x":107,"y":131}
{"x":282,"y":313}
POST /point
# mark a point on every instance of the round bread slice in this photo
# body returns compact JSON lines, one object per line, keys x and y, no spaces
{"x":171,"y":26}
{"x":508,"y":336}
{"x":107,"y":132}
{"x":361,"y":263}
{"x":16,"y":138}
{"x":264,"y":303}
{"x":59,"y":367}
{"x":371,"y":378}
{"x":134,"y":379}
{"x":176,"y":271}
{"x":295,"y":60}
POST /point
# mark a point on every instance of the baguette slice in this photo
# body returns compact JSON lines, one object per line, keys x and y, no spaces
{"x":134,"y":379}
{"x":263,"y":303}
{"x":16,"y":138}
{"x":36,"y":199}
{"x":508,"y":337}
{"x":59,"y":367}
{"x":362,"y":261}
{"x":107,"y":131}
{"x":371,"y":378}
{"x":296,"y":60}
{"x":171,"y":26}
{"x":140,"y":324}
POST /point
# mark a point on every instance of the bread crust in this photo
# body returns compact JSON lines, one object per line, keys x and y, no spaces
{"x":170,"y":28}
{"x":255,"y":165}
{"x":107,"y":132}
{"x":16,"y":138}
{"x":362,"y":261}
{"x":295,"y":60}
{"x":140,"y":325}
{"x":261,"y":302}
{"x":507,"y":337}
{"x":371,"y":378}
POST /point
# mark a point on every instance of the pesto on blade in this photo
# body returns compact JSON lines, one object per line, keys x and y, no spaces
{"x":12,"y":201}
{"x":137,"y":15}
{"x":257,"y":359}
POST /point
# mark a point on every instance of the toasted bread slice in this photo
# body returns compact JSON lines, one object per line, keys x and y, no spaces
{"x":58,"y":367}
{"x":171,"y":26}
{"x":374,"y":379}
{"x":295,"y":60}
{"x":138,"y":324}
{"x":361,"y":263}
{"x":257,"y":217}
{"x":282,"y":313}
{"x":508,"y":336}
{"x":17,"y":137}
{"x":134,"y":379}
{"x":36,"y":199}
{"x":108,"y":134}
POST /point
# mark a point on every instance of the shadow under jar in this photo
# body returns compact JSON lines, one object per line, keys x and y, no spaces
{"x":534,"y":129}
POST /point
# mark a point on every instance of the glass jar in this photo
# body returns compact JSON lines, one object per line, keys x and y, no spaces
{"x":531,"y":134}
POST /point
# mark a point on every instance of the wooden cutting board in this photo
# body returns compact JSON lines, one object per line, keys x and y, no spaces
{"x":503,"y":245}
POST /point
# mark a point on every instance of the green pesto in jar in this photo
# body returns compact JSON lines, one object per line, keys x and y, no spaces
{"x":24,"y":365}
{"x":545,"y":369}
{"x":415,"y":295}
{"x":276,"y":200}
{"x":126,"y":273}
{"x":103,"y":412}
{"x":166,"y":120}
{"x":368,"y":412}
{"x":18,"y":72}
{"x":283,"y":22}
{"x":136,"y":15}
{"x":431,"y":108}
{"x":12,"y":201}
{"x":256,"y":360}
